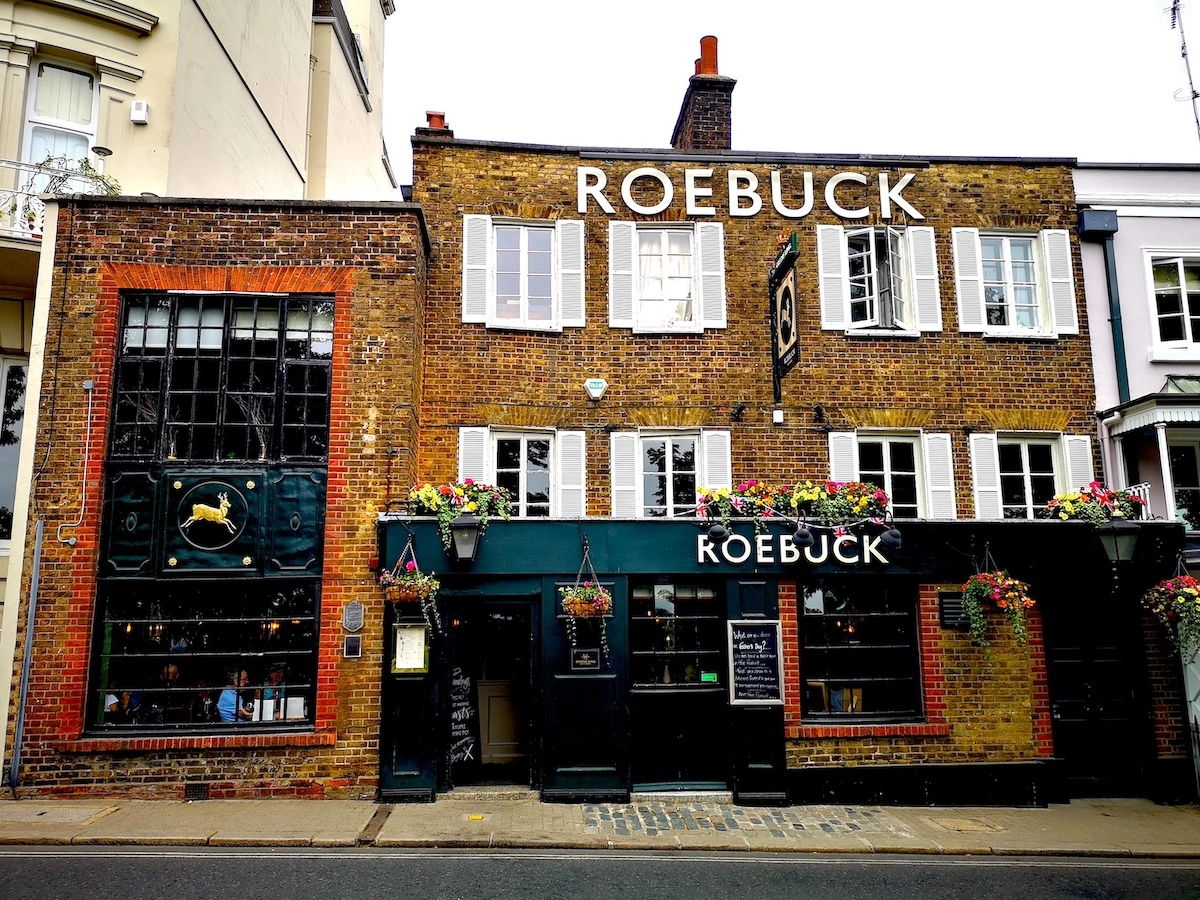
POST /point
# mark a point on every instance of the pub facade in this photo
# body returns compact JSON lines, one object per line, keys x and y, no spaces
{"x":611,"y":336}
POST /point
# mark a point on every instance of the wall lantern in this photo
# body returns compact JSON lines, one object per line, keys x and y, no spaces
{"x":1119,"y":537}
{"x":465,"y":532}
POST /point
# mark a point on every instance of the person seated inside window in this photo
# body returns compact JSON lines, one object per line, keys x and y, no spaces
{"x":273,"y":693}
{"x":233,"y":705}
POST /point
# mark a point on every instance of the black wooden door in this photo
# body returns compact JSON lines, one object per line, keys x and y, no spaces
{"x":1100,"y":723}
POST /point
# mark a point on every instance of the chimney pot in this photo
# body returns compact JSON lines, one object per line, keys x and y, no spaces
{"x":707,"y":64}
{"x":435,"y":119}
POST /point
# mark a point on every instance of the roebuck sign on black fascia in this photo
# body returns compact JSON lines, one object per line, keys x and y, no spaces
{"x":768,"y":549}
{"x":744,"y":196}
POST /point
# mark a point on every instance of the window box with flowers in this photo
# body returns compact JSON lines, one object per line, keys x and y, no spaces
{"x":589,"y":601}
{"x":1176,"y":603}
{"x":1096,"y":503}
{"x":449,"y":501}
{"x":829,"y":503}
{"x":998,"y":590}
{"x":751,"y":499}
{"x":837,"y":502}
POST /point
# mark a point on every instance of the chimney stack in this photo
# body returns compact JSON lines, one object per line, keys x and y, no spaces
{"x":436,"y":126}
{"x":705,"y":120}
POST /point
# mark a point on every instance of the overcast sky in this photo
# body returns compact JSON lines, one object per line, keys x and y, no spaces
{"x":1090,"y":79}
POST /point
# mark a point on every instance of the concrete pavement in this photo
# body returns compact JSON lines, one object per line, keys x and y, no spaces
{"x":1118,"y":828}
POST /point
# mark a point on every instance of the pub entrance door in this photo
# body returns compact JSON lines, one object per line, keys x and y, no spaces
{"x":1095,"y":671}
{"x":491,"y":668}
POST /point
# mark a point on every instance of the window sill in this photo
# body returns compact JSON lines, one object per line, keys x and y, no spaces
{"x":1038,"y":336}
{"x":110,"y":743}
{"x":501,"y":325}
{"x":897,"y":334}
{"x":1174,"y":354}
{"x":890,"y":729}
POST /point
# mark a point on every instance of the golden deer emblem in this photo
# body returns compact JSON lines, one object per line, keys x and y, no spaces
{"x":206,"y":513}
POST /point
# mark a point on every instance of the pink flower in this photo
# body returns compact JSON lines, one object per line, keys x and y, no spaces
{"x":410,"y":566}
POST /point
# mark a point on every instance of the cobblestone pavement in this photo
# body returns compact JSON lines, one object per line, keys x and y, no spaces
{"x":664,"y":818}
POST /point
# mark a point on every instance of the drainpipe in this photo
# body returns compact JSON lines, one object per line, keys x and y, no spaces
{"x":1099,"y":226}
{"x":15,"y":767}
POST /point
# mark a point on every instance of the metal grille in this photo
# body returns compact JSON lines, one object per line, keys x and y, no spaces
{"x":217,"y":377}
{"x":195,"y":791}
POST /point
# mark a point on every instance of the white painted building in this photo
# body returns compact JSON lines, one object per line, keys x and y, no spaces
{"x":1140,"y":231}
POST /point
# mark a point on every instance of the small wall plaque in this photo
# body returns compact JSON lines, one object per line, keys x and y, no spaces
{"x":352,"y":616}
{"x":351,"y":646}
{"x":585,"y":660}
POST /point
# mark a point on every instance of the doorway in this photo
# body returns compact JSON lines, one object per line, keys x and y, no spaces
{"x":1097,"y":695}
{"x":490,"y":693}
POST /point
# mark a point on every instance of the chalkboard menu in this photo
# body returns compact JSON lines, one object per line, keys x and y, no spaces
{"x":755,"y":663}
{"x":464,"y":720}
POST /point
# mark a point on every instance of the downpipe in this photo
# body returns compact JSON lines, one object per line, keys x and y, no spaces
{"x":18,"y":734}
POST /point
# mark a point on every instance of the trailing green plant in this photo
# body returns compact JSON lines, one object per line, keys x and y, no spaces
{"x":1001,"y":591}
{"x":449,"y":501}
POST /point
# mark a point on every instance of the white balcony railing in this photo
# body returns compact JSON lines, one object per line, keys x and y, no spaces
{"x":22,"y":213}
{"x":1142,"y":492}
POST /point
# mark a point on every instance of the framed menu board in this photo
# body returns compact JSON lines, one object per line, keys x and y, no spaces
{"x":755,"y":663}
{"x":410,"y":651}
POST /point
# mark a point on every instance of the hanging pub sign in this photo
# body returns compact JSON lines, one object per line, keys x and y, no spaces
{"x":781,"y":281}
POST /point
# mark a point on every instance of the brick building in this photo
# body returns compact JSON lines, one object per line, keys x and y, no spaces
{"x":604,"y":332}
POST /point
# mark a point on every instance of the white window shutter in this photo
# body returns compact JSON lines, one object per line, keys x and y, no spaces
{"x":710,"y":273}
{"x":968,"y":278}
{"x":569,"y":234}
{"x":939,"y":476}
{"x":1077,"y":451}
{"x":477,"y":252}
{"x":717,"y":457}
{"x":843,"y":456}
{"x":985,"y":473}
{"x":622,"y":257}
{"x":833,"y":266}
{"x":922,"y":265}
{"x":1056,"y":252}
{"x":623,"y":466}
{"x":473,"y":445}
{"x":572,"y":474}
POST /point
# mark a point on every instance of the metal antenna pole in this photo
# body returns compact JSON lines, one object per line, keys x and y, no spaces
{"x":1177,"y":19}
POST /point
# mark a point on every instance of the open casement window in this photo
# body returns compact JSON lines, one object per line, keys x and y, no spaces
{"x":656,"y":473}
{"x":62,"y":112}
{"x":1015,"y":476}
{"x":915,"y":470}
{"x":208,"y":377}
{"x":1015,"y":284}
{"x":666,"y":278}
{"x":13,"y":385}
{"x":1176,"y":284}
{"x":543,"y":471}
{"x":526,"y":275}
{"x":881,"y":278}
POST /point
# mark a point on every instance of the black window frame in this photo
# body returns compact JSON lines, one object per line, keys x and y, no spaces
{"x":860,"y":650}
{"x":262,"y":395}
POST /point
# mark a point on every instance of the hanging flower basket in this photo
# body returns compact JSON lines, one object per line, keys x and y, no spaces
{"x":589,"y":601}
{"x":405,"y":583}
{"x":1176,"y":603}
{"x":586,"y":601}
{"x":1000,"y":591}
